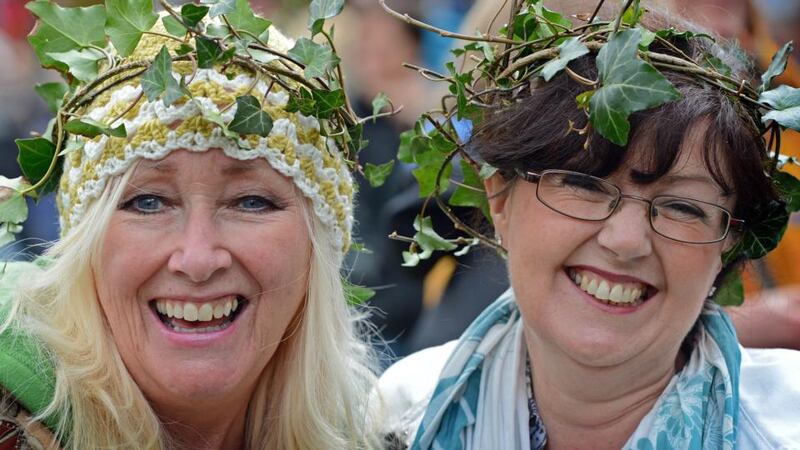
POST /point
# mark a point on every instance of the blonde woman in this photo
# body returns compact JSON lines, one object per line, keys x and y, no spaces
{"x":195,"y":299}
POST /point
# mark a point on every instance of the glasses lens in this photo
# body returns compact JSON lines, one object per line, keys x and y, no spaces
{"x":689,"y":220}
{"x":577,"y":195}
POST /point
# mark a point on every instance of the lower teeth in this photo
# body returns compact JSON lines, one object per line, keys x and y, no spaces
{"x":199,"y":330}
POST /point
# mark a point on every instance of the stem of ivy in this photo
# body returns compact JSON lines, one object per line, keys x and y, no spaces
{"x":444,"y":33}
{"x":618,"y":21}
{"x":596,"y":11}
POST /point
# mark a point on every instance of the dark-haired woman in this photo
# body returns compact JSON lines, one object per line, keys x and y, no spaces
{"x":608,"y":337}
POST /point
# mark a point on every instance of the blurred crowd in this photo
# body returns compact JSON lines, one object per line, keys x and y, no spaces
{"x":426,"y":305}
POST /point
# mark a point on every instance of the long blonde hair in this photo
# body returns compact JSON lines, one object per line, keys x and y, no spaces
{"x":313,"y":393}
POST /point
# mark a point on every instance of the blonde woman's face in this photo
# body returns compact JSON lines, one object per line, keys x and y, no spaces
{"x":202,"y":271}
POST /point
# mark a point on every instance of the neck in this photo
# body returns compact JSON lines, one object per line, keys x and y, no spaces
{"x":205,"y":426}
{"x":602,"y":405}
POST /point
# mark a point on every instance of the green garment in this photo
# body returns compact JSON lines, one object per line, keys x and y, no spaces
{"x":26,"y":372}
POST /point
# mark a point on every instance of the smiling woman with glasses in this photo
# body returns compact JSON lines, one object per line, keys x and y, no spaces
{"x":609,"y":336}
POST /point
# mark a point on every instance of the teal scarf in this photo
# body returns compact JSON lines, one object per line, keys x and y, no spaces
{"x":480,"y":402}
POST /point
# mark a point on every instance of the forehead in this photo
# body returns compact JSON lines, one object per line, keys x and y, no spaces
{"x":207,"y":165}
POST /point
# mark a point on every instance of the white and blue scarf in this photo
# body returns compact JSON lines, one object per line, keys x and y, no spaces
{"x":480,"y":401}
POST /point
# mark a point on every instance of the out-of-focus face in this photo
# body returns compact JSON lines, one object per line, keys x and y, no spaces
{"x":202,"y":271}
{"x":553,"y":259}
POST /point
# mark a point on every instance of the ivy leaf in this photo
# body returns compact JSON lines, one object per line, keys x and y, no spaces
{"x":35,"y":155}
{"x":321,"y":10}
{"x":712,"y":62}
{"x":82,"y":63}
{"x":487,"y":171}
{"x":126,"y":21}
{"x":208,"y":52}
{"x":53,"y":94}
{"x":303,"y":103}
{"x":242,"y":18}
{"x":584,"y":99}
{"x":173,"y":26}
{"x":789,"y":187}
{"x":786,"y":101}
{"x":317,"y":58}
{"x":570,"y":49}
{"x":250,"y":118}
{"x":426,"y":178}
{"x":761,"y":237}
{"x":219,"y":7}
{"x":379,"y":102}
{"x":377,"y":174}
{"x":671,"y":33}
{"x":731,"y":291}
{"x":459,"y":88}
{"x":471,"y":192}
{"x":465,"y":249}
{"x":410,"y":259}
{"x":355,"y":294}
{"x":192,"y":14}
{"x":158,"y":80}
{"x":216,"y":118}
{"x":628,"y":85}
{"x":776,"y":67}
{"x":633,"y":14}
{"x":184,"y":49}
{"x":428,"y":240}
{"x":91,"y":128}
{"x":60,"y":29}
{"x":13,"y":208}
{"x":327,"y":102}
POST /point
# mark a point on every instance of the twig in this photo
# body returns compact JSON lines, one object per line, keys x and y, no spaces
{"x":618,"y":21}
{"x":596,"y":11}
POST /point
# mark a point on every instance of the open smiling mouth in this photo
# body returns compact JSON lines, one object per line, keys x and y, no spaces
{"x":611,"y":293}
{"x":192,"y":317}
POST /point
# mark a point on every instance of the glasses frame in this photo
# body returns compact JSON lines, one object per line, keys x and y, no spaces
{"x":534,"y":177}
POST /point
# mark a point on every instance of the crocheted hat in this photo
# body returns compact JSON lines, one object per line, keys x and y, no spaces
{"x":294,"y":146}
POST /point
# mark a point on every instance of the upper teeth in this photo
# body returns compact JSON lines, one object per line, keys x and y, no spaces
{"x":198,"y":312}
{"x":603,"y":289}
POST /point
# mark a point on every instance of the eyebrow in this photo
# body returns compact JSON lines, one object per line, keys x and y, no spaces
{"x":671,"y":179}
{"x":169,"y":168}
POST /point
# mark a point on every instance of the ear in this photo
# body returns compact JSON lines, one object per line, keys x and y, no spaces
{"x":498,"y":192}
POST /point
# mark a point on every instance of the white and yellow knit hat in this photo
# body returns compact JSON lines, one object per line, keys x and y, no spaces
{"x":294,"y":146}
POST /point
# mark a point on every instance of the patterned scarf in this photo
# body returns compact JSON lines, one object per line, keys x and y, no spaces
{"x":481,"y":402}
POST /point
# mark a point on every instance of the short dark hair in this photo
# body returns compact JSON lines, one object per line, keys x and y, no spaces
{"x":534,"y":132}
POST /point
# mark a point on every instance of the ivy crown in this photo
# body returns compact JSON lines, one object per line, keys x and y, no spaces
{"x":633,"y":67}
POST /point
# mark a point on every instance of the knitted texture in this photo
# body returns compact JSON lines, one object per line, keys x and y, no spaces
{"x":294,"y":146}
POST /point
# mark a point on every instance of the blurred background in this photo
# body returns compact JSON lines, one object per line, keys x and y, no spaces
{"x":430,"y":304}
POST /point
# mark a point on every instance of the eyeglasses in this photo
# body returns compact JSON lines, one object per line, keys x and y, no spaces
{"x":585,"y":197}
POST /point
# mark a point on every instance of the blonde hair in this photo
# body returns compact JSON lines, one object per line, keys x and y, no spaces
{"x":313,"y":393}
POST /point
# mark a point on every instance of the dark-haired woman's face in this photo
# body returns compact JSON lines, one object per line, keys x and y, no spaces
{"x":559,"y":266}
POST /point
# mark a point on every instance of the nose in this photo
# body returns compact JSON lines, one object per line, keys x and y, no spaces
{"x":627,"y":233}
{"x":200,"y":251}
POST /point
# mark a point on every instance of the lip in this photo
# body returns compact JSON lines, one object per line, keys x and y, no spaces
{"x":196,"y":340}
{"x":615,"y":277}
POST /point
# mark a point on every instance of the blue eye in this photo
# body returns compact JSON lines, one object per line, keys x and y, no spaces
{"x":255,"y":203}
{"x":144,"y":204}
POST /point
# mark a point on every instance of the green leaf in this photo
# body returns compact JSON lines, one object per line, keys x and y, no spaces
{"x":82,"y":63}
{"x":487,"y":171}
{"x":465,"y":249}
{"x":158,"y":80}
{"x":584,"y":99}
{"x":731,"y":291}
{"x":317,"y":58}
{"x":184,"y":49}
{"x":319,"y":10}
{"x":219,"y":7}
{"x":173,"y":26}
{"x":60,"y":29}
{"x":714,"y":63}
{"x":356,"y":295}
{"x":242,"y":18}
{"x":303,"y":102}
{"x":786,"y":101}
{"x":471,"y":193}
{"x":789,"y":188}
{"x":192,"y":14}
{"x":628,"y":85}
{"x":377,"y":174}
{"x":761,"y":237}
{"x":250,"y":118}
{"x":327,"y":102}
{"x":216,"y":118}
{"x":35,"y":155}
{"x":671,"y":33}
{"x":569,"y":50}
{"x":208,"y":52}
{"x":53,"y":94}
{"x":776,"y":67}
{"x":633,"y":14}
{"x":379,"y":102}
{"x":647,"y":38}
{"x":459,"y":88}
{"x":410,"y":259}
{"x":428,"y":240}
{"x":426,"y":178}
{"x":217,"y":31}
{"x":127,"y":20}
{"x":13,"y":208}
{"x":91,"y":128}
{"x":404,"y":150}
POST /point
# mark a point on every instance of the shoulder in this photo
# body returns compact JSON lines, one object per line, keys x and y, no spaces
{"x":769,"y":399}
{"x":406,"y":388}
